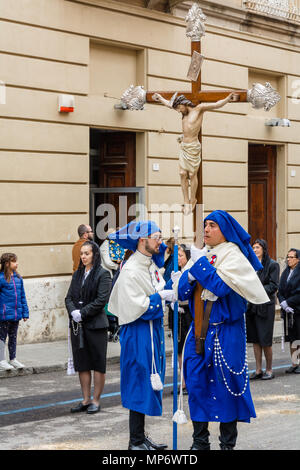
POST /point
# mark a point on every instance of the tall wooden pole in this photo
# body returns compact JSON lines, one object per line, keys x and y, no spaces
{"x":198,"y":223}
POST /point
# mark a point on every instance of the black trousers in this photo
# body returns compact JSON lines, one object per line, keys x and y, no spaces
{"x":136,"y":427}
{"x":228,"y":435}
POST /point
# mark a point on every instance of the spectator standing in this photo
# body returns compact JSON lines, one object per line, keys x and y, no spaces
{"x":260,"y":318}
{"x":85,"y":302}
{"x":13,"y":308}
{"x":85,"y":233}
{"x":289,"y":298}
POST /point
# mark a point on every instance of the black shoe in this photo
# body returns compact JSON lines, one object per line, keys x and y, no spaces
{"x":197,"y":447}
{"x":149,"y":442}
{"x":80,"y":407}
{"x":268,"y":376}
{"x":255,"y":376}
{"x":292,"y":370}
{"x":92,"y":408}
{"x":224,"y":447}
{"x":142,"y":446}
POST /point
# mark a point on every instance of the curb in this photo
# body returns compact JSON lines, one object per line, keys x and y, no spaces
{"x":30,"y":370}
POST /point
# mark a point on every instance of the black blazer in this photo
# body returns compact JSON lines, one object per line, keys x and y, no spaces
{"x":92,"y":309}
{"x":269,"y":277}
{"x":290,"y":291}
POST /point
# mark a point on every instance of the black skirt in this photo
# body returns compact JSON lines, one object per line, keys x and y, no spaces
{"x":292,"y":333}
{"x":93,"y":354}
{"x":260,"y":329}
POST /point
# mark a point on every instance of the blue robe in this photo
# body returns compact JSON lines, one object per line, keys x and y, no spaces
{"x":137,"y":393}
{"x":211,"y":385}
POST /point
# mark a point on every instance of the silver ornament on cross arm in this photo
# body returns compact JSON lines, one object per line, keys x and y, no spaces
{"x":263,"y":96}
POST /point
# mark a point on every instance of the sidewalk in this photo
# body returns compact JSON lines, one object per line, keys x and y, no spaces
{"x":53,"y":356}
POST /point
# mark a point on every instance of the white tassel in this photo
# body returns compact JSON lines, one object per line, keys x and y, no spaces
{"x":179,"y":417}
{"x":155,"y":379}
{"x":156,"y":382}
{"x":70,"y":368}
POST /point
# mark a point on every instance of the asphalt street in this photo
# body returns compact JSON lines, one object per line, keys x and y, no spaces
{"x":35,"y":413}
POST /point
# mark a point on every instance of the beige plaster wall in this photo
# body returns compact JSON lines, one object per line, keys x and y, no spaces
{"x":89,"y":49}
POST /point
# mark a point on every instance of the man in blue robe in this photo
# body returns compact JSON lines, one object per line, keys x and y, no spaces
{"x":137,"y":300}
{"x":217,"y":381}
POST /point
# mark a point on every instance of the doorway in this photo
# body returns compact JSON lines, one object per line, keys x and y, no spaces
{"x":262,"y":194}
{"x":113,"y":190}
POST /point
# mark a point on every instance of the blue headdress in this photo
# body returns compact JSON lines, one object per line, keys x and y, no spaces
{"x":234,"y":232}
{"x":129,"y":235}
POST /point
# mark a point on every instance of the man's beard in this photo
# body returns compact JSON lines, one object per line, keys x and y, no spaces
{"x":152,"y":251}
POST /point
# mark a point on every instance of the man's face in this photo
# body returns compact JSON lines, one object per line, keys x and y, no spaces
{"x":212,"y":233}
{"x":89,"y":233}
{"x":183,"y":109}
{"x":152,"y":243}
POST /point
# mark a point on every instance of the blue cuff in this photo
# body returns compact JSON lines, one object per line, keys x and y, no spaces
{"x":155,"y":309}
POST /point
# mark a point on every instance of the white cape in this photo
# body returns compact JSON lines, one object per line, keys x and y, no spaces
{"x":138,"y":279}
{"x":237,"y":272}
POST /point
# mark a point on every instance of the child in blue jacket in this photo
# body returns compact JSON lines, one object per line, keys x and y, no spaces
{"x":13,"y":308}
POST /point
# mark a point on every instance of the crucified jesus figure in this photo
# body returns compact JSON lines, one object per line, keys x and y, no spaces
{"x":190,"y":150}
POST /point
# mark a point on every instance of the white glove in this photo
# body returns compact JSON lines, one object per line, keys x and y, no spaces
{"x":168,"y":295}
{"x":289,"y":309}
{"x":180,"y":309}
{"x":284,"y":304}
{"x":175,"y":276}
{"x":197,"y":253}
{"x":76,"y":315}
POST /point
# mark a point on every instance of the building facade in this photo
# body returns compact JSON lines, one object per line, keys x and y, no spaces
{"x":59,"y":170}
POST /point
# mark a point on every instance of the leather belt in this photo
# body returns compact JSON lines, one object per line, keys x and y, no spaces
{"x":201,"y":340}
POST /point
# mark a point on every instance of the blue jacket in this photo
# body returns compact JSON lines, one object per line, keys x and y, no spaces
{"x":13,"y":304}
{"x":136,"y":359}
{"x":217,"y":382}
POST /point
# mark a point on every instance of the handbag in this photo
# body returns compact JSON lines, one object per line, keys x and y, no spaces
{"x":155,"y":379}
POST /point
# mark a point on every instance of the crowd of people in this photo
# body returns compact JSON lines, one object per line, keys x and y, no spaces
{"x":121,"y":291}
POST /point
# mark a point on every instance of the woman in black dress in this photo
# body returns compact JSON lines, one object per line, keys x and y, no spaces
{"x":289,"y":298}
{"x":85,"y":302}
{"x":260,"y":318}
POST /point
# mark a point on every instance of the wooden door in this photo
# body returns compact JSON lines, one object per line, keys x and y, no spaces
{"x":117,"y":169}
{"x":262,"y":194}
{"x":117,"y":160}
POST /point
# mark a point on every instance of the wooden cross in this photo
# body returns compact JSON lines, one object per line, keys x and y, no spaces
{"x":197,"y":96}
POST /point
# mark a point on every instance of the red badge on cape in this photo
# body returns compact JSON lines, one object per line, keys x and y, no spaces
{"x":157,"y":276}
{"x":213,"y":259}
